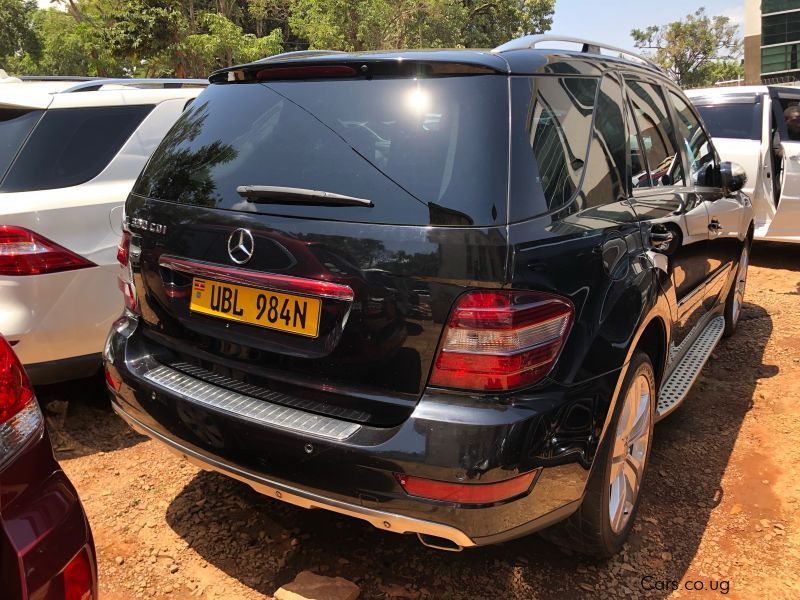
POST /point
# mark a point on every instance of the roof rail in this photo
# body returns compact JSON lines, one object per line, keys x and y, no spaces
{"x":299,"y":53}
{"x":531,"y":41}
{"x":55,"y":78}
{"x":92,"y":85}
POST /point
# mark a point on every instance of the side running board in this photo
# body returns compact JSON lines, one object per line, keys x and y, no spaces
{"x":680,"y":381}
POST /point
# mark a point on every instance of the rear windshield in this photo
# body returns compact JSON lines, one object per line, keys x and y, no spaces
{"x":15,"y":125}
{"x":70,"y":146}
{"x":422,"y":150}
{"x":739,"y":120}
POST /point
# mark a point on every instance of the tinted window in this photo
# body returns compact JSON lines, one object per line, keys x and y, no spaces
{"x":71,"y":146}
{"x":15,"y":125}
{"x":603,"y":183}
{"x":738,"y":120}
{"x":650,"y":112}
{"x":696,"y":143}
{"x":423,"y":151}
{"x":557,"y":128}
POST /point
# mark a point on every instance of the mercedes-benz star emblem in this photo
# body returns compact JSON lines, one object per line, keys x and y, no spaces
{"x":241,"y":246}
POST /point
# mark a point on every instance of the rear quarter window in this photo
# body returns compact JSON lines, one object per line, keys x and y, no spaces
{"x":15,"y":125}
{"x":70,"y":146}
{"x":424,"y":151}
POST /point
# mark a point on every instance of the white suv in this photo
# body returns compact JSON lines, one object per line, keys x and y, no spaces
{"x":70,"y":151}
{"x":759,"y":128}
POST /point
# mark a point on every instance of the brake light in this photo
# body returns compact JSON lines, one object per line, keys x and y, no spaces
{"x":24,"y":252}
{"x":78,"y":578}
{"x":467,"y":493}
{"x":128,"y":293}
{"x":124,"y":248}
{"x":311,"y":72}
{"x":20,"y":417}
{"x":501,"y":340}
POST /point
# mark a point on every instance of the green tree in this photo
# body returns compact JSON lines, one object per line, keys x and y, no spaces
{"x":17,"y":34}
{"x":489,"y":24}
{"x":381,"y":24}
{"x":691,"y":50}
{"x":224,"y":44}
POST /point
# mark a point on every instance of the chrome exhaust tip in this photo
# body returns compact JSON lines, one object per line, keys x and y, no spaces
{"x":438,"y":543}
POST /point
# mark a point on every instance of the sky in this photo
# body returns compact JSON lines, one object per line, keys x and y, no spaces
{"x":611,"y":21}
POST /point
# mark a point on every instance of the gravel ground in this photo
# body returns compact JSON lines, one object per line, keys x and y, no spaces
{"x":721,"y":504}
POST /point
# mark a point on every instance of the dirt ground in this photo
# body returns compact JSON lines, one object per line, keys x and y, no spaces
{"x":720,"y":513}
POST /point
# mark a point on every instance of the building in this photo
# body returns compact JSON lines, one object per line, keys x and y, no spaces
{"x":771,"y":41}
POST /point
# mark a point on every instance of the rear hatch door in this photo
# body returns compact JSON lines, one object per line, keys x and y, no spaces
{"x":309,"y":236}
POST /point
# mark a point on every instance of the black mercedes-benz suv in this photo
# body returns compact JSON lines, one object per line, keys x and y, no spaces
{"x":446,"y":292}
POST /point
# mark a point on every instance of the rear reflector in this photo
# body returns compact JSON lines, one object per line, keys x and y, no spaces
{"x":501,"y":340}
{"x":23,"y":252}
{"x":467,"y":493}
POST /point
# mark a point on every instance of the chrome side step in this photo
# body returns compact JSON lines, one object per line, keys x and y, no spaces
{"x":247,"y":407}
{"x":680,"y":381}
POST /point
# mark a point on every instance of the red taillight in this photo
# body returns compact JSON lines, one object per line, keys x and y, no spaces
{"x":78,"y":578}
{"x":501,"y":340}
{"x":128,"y":293}
{"x":123,"y":248}
{"x":15,"y":387}
{"x":466,"y":493}
{"x":23,"y":252}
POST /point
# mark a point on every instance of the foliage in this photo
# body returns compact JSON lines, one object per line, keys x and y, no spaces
{"x":17,"y":33}
{"x":694,"y":51}
{"x":378,"y":24}
{"x":182,"y":38}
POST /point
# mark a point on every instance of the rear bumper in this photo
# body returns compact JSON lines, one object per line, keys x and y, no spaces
{"x":42,"y":524}
{"x":447,"y":438}
{"x":59,"y":316}
{"x":64,"y":370}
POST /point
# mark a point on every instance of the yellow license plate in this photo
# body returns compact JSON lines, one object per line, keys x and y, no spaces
{"x":274,"y":310}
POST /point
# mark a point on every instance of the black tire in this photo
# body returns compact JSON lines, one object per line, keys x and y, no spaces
{"x":589,"y":531}
{"x":732,"y":314}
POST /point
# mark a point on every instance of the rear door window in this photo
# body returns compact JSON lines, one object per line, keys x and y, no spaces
{"x":424,"y":151}
{"x":70,"y":146}
{"x":15,"y":125}
{"x":655,"y":128}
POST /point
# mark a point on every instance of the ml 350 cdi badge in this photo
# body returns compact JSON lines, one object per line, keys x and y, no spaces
{"x":446,"y":292}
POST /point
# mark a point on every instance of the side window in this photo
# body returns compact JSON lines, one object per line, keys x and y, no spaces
{"x":606,"y":166}
{"x":699,"y":150}
{"x":650,"y":113}
{"x":70,"y":146}
{"x":559,"y":127}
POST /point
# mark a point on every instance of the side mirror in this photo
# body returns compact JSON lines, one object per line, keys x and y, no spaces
{"x":732,"y":177}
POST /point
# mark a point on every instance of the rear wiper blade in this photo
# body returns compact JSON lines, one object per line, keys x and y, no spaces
{"x":273,"y":194}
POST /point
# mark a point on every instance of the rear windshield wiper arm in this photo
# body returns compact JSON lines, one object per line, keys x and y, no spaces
{"x":273,"y":194}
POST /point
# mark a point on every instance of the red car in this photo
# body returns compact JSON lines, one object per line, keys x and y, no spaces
{"x":46,"y":547}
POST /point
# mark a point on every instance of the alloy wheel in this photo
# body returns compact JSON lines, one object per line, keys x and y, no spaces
{"x":630,"y":452}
